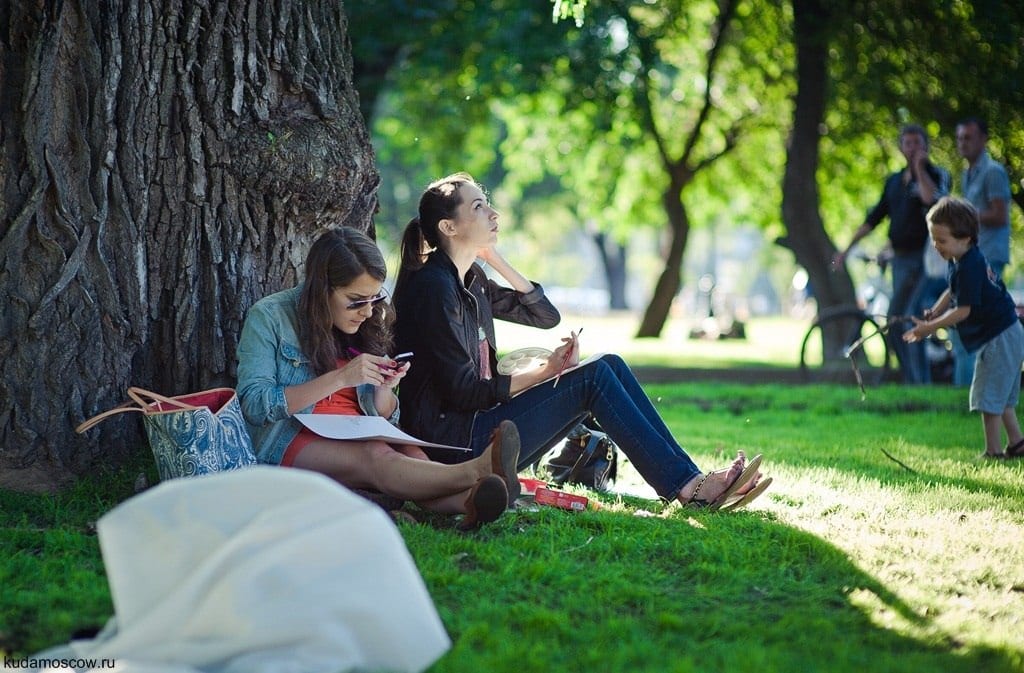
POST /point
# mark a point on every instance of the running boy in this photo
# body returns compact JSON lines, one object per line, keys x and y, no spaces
{"x":986,"y":319}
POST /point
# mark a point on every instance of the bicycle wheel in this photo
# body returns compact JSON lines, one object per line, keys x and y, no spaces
{"x":828,"y":350}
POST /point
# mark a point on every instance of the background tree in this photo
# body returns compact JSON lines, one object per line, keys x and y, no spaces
{"x":693,"y":129}
{"x":882,"y":64}
{"x":812,"y":25}
{"x":160,"y":171}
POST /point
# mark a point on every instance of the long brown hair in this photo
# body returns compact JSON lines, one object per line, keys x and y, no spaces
{"x":438,"y":202}
{"x":335,"y":260}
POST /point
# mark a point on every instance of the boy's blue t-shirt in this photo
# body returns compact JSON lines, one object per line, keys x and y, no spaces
{"x":992,"y":307}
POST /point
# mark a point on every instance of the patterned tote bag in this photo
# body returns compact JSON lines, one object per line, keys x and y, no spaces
{"x":192,"y":434}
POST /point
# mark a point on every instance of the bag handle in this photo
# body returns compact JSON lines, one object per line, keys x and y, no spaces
{"x":592,"y":443}
{"x":138,"y":396}
{"x":95,"y":420}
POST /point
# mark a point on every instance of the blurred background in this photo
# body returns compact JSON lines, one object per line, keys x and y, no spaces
{"x":637,"y":151}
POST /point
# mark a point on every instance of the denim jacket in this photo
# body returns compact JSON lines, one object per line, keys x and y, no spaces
{"x":270,"y":360}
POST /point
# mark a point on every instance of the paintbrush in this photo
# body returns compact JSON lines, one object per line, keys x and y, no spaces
{"x":568,"y":354}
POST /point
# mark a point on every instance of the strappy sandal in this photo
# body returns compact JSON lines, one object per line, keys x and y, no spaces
{"x":744,"y":478}
{"x":738,"y":501}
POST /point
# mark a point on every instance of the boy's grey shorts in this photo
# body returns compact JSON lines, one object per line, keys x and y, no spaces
{"x":997,"y":368}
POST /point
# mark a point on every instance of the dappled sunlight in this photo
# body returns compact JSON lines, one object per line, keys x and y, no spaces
{"x":931,"y":536}
{"x":892,"y":534}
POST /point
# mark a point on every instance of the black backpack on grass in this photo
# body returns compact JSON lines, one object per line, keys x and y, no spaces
{"x":588,"y":458}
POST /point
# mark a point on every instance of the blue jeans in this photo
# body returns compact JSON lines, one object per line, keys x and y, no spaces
{"x":608,"y":390}
{"x":907,"y":280}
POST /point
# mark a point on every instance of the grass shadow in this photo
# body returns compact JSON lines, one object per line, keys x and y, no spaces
{"x":606,"y":591}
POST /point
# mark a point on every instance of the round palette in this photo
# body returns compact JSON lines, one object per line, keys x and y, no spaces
{"x":522,"y":360}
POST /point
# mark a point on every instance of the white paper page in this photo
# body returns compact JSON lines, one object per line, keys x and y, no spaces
{"x":334,"y":426}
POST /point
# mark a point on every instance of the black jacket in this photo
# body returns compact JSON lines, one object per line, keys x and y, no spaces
{"x":908,"y":230}
{"x":440,"y":319}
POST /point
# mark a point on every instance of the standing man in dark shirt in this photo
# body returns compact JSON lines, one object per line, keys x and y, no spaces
{"x":906,"y":198}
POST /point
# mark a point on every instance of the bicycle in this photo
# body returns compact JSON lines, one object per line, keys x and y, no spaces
{"x":856,"y":336}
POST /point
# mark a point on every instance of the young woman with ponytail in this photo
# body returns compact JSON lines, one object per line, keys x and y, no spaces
{"x":446,"y":306}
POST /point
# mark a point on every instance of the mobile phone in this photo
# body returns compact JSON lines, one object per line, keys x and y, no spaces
{"x":402,"y":358}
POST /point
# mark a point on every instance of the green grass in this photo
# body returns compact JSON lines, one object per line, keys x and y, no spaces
{"x":52,"y":580}
{"x":884,"y":544}
{"x":852,"y":562}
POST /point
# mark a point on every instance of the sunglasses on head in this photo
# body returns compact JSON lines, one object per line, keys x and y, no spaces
{"x":372,"y":301}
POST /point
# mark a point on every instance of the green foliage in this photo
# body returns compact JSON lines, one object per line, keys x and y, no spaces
{"x":927,"y":62}
{"x":563,"y":101}
{"x":569,"y":8}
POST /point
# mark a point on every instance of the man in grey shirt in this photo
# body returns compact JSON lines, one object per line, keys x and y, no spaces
{"x":986,"y":185}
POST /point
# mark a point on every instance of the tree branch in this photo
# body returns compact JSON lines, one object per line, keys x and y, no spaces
{"x":726,"y":11}
{"x":642,"y":94}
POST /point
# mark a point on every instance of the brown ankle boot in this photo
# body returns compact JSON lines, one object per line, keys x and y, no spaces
{"x":487,"y":500}
{"x":504,"y":450}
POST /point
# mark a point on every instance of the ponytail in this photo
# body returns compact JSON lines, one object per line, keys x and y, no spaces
{"x":413,"y":252}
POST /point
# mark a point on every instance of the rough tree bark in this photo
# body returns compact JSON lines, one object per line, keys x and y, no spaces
{"x":164,"y":164}
{"x":806,"y":235}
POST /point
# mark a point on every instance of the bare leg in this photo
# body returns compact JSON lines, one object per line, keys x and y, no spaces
{"x":411,"y":451}
{"x":449,"y":504}
{"x":992,"y":423}
{"x":375,"y":465}
{"x":1013,"y":433}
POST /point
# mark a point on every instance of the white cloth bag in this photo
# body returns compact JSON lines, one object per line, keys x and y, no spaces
{"x":262,"y":570}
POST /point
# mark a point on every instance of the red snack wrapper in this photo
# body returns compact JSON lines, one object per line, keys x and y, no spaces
{"x":530,"y":486}
{"x":549,"y":496}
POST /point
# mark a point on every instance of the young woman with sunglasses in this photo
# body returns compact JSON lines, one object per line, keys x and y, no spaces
{"x":446,"y":307}
{"x":322,"y":347}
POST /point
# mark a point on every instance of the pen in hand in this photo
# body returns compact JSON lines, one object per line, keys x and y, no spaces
{"x":568,"y":354}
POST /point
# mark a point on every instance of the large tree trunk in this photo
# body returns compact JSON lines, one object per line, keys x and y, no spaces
{"x":164,"y":165}
{"x":668,"y":283}
{"x":805,"y":231}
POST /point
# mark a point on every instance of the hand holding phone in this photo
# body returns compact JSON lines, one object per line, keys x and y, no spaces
{"x":401,"y":359}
